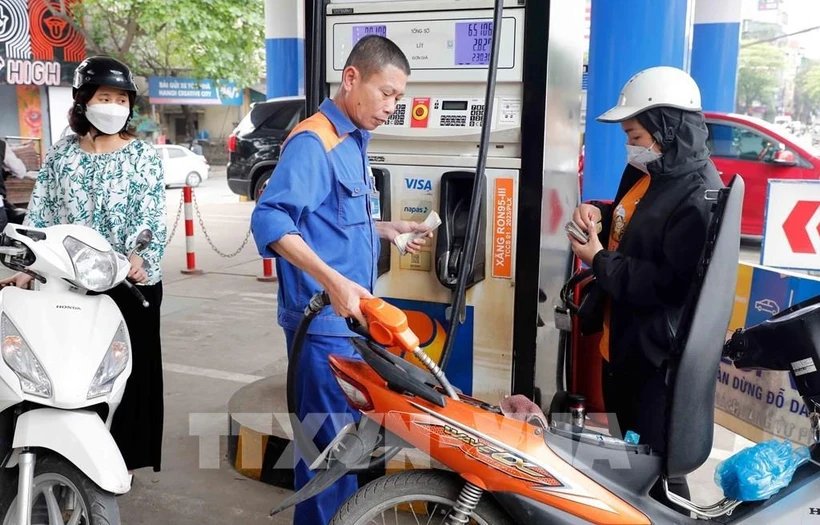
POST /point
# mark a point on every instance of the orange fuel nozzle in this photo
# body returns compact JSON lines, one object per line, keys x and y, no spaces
{"x":388,"y":325}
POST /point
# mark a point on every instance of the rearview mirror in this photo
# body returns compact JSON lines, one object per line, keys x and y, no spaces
{"x":785,"y":158}
{"x":143,"y":240}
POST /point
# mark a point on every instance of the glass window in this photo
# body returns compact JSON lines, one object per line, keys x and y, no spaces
{"x":245,"y":125}
{"x":175,"y":153}
{"x":284,"y":119}
{"x":735,"y":142}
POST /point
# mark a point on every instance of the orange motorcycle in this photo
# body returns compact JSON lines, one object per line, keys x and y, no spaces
{"x":513,"y":464}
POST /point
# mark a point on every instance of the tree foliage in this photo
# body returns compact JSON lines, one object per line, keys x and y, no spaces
{"x":216,"y":39}
{"x":220,"y":39}
{"x":759,"y":71}
{"x":807,"y":91}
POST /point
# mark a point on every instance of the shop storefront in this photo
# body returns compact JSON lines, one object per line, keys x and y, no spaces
{"x":38,"y":55}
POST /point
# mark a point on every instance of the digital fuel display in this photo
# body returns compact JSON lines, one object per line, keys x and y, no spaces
{"x":474,"y":41}
{"x":360,"y":32}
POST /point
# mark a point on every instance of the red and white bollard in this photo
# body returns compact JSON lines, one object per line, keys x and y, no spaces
{"x":187,"y":197}
{"x":267,"y":272}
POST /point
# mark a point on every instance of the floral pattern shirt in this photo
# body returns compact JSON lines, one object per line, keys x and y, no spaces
{"x":118,"y":194}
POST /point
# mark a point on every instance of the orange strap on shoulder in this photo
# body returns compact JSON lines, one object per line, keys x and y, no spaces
{"x":621,"y":216}
{"x":319,"y":124}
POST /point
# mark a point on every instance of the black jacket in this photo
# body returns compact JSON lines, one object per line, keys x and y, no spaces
{"x":649,"y":277}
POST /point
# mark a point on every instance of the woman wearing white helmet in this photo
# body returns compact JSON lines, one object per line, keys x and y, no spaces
{"x":645,"y":258}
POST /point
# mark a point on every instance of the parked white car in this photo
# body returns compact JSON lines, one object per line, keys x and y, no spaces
{"x":182,"y":166}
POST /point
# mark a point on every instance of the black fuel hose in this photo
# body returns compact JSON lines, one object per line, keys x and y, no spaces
{"x":316,"y":304}
{"x":467,"y":257}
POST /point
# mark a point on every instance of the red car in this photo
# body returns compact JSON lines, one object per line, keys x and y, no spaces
{"x":757,"y":151}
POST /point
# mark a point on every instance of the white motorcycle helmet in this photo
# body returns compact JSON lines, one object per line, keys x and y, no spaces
{"x":654,"y":87}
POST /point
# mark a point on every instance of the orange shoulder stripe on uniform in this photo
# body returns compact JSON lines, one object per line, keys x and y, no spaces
{"x":319,"y":124}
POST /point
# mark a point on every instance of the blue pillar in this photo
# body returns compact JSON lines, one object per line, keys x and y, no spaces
{"x":625,"y":38}
{"x":715,"y":48}
{"x":285,"y":47}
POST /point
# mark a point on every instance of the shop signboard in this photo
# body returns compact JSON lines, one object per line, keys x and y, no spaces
{"x":37,"y":48}
{"x":178,"y":90}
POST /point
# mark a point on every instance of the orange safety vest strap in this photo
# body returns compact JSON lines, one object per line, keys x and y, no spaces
{"x":621,"y":216}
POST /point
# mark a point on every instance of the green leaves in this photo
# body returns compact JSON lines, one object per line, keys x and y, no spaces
{"x":219,"y":39}
{"x":759,"y":69}
{"x":807,"y":90}
{"x":808,"y":82}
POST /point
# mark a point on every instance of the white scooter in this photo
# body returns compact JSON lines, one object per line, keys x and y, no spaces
{"x":66,"y":356}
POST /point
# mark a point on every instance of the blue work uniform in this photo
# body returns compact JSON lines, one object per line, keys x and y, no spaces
{"x":321,"y":189}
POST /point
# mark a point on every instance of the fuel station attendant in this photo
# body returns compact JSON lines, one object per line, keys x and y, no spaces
{"x":652,"y":236}
{"x":318,"y":217}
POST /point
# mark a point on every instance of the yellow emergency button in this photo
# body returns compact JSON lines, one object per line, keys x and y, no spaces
{"x":420,"y":112}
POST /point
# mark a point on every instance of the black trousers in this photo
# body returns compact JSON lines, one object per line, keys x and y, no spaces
{"x":10,"y":213}
{"x":637,"y":395}
{"x":138,"y":422}
{"x":4,"y":217}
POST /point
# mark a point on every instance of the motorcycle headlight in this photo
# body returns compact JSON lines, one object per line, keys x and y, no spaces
{"x":113,"y":364}
{"x":95,"y":270}
{"x":18,"y":356}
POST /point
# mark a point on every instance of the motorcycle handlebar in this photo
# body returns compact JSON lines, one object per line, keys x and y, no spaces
{"x":134,"y":290}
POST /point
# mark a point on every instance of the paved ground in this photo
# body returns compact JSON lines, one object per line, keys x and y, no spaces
{"x":219,"y":333}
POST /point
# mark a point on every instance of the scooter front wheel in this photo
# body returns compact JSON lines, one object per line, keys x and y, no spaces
{"x":62,"y":495}
{"x":412,"y":497}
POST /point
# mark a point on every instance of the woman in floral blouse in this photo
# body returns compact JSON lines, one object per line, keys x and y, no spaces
{"x":104,"y":178}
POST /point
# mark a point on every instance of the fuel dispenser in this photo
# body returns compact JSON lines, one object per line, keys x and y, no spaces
{"x":425,"y":157}
{"x":383,"y":186}
{"x":456,"y":188}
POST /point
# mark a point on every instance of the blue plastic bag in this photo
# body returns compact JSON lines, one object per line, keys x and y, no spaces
{"x":758,"y":472}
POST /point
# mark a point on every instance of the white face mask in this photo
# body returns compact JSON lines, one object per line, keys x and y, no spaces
{"x":108,"y":118}
{"x":639,"y":156}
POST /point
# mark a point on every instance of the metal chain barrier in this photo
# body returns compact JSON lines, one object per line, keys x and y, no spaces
{"x":208,"y":238}
{"x":176,"y":221}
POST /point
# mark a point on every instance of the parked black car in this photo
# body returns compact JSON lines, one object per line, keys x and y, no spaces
{"x":255,"y":144}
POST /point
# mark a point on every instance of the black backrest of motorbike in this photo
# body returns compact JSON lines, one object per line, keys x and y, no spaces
{"x":699,"y":341}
